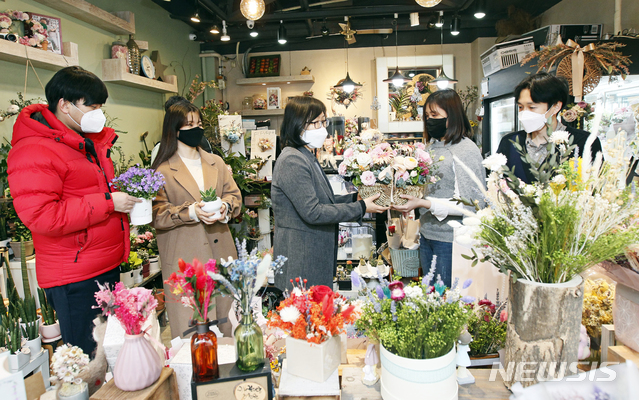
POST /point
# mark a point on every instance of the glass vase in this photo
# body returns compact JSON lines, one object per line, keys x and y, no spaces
{"x":249,"y":344}
{"x":204,"y":353}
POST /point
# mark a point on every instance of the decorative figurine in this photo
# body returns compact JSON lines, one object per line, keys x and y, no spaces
{"x":369,"y":372}
{"x":464,"y":377}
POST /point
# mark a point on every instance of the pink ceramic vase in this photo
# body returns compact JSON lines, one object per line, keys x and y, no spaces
{"x":138,"y":365}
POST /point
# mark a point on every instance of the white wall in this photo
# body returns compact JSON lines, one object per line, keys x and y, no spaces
{"x":593,"y":12}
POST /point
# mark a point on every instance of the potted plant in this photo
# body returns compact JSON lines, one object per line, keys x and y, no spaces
{"x":31,"y":326}
{"x":138,"y":364}
{"x":143,"y":183}
{"x":212,"y":203}
{"x":137,"y":265}
{"x":577,"y":214}
{"x":127,"y":268}
{"x":50,"y":329}
{"x":344,"y":278}
{"x":143,"y":254}
{"x":487,"y":326}
{"x":19,"y":356}
{"x":66,"y":364}
{"x":416,"y":327}
{"x":313,"y":318}
{"x":4,"y":340}
{"x":21,"y":237}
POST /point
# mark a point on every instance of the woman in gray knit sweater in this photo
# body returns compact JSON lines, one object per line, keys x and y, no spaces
{"x":448,"y":130}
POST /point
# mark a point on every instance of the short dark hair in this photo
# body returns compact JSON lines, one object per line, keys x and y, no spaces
{"x":74,"y":84}
{"x":299,"y":111}
{"x":175,"y":118}
{"x":544,"y":88}
{"x":172,"y":100}
{"x":458,"y":125}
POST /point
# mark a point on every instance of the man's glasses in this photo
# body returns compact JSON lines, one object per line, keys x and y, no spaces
{"x":319,"y":124}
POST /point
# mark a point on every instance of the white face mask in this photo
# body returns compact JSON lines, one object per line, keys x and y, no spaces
{"x":92,"y":121}
{"x":532,"y":121}
{"x":315,"y":137}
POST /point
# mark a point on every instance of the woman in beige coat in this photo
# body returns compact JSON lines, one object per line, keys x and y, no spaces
{"x":184,"y":230}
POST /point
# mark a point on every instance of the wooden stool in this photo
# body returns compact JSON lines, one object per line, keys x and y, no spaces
{"x":164,"y":389}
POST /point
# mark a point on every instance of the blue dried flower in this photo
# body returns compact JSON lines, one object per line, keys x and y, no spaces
{"x":357,"y":282}
{"x":393,"y":309}
{"x":380,"y":292}
{"x":467,"y":283}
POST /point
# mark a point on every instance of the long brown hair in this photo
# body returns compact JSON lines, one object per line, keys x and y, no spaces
{"x":175,"y":118}
{"x":458,"y":125}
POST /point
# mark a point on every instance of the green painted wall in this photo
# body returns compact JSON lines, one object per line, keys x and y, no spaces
{"x":137,"y":110}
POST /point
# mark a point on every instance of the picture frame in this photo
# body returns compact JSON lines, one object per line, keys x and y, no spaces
{"x":54,"y":31}
{"x":273,"y":98}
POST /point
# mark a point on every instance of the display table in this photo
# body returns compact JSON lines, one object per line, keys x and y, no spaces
{"x":164,"y":389}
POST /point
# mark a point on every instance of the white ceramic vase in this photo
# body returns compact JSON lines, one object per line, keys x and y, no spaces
{"x":315,"y":362}
{"x":142,"y":213}
{"x":35,"y":346}
{"x":407,"y":378}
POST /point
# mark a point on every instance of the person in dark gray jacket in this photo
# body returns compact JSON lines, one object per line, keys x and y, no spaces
{"x":307,"y":214}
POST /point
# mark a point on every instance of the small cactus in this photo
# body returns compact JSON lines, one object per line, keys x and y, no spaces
{"x":208,"y":194}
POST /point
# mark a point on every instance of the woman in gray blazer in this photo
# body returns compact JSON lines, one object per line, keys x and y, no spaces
{"x":307,"y":214}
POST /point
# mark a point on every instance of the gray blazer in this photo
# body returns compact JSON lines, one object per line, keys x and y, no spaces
{"x":307,"y":216}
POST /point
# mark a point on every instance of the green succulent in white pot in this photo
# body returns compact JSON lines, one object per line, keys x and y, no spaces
{"x":212,"y":203}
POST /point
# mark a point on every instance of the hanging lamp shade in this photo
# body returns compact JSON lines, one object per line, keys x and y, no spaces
{"x":196,"y":17}
{"x":480,"y":9}
{"x":347,"y":84}
{"x":428,"y":3}
{"x":397,"y":79}
{"x":252,"y":9}
{"x":454,"y":25}
{"x":444,"y":81}
{"x":281,"y":34}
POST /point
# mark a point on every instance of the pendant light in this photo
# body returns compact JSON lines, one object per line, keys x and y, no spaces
{"x":442,"y":80}
{"x":196,"y":17}
{"x":225,"y":37}
{"x":252,"y":9}
{"x":397,"y":79}
{"x":440,"y":20}
{"x":215,"y":30}
{"x":454,"y":25}
{"x":281,"y":33}
{"x":480,"y":9}
{"x":428,"y":3}
{"x":347,"y":84}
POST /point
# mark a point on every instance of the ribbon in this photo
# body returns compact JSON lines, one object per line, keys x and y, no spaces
{"x":577,"y":59}
{"x":156,"y":342}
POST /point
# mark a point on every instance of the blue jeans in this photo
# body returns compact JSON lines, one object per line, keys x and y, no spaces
{"x":444,"y":253}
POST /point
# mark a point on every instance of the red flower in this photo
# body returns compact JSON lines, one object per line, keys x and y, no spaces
{"x":391,"y":229}
{"x":181,"y":265}
{"x":395,"y":285}
{"x":319,"y":292}
{"x":486,"y":317}
{"x":327,"y":307}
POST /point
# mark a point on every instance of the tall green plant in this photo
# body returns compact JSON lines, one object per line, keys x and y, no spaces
{"x":3,"y":337}
{"x":15,"y":336}
{"x":30,"y":330}
{"x":48,"y":313}
{"x":26,"y":286}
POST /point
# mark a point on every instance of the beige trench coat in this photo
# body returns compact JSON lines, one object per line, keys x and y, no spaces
{"x":180,"y":237}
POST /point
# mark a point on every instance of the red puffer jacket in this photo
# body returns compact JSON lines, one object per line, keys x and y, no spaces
{"x":61,"y":193}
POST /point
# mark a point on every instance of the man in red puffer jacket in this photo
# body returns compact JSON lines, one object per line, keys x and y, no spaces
{"x":59,"y":173}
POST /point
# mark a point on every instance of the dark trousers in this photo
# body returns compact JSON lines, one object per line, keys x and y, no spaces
{"x":73,"y":304}
{"x":444,"y":252}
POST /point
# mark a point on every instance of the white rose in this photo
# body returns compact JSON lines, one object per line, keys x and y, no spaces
{"x":560,"y":137}
{"x":410,"y":163}
{"x":364,"y":159}
{"x":495,"y":162}
{"x":529,"y":190}
{"x":290,"y":314}
{"x":413,"y":174}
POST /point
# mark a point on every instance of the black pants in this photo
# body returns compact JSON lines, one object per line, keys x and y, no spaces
{"x":73,"y":304}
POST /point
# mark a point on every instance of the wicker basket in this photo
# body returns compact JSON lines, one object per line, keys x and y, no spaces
{"x":385,"y":199}
{"x":405,"y":262}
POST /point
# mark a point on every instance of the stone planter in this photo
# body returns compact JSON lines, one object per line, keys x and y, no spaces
{"x":29,"y":250}
{"x":18,"y":361}
{"x":407,"y":378}
{"x":544,"y":322}
{"x":315,"y":362}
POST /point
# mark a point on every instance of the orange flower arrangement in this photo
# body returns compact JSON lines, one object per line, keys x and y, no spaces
{"x":315,"y":314}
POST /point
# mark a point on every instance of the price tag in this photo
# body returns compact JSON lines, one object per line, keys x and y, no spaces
{"x":250,"y":391}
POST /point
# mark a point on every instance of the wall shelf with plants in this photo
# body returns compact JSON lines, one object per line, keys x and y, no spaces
{"x":115,"y":70}
{"x":120,"y":23}
{"x":275,"y":80}
{"x":18,"y":53}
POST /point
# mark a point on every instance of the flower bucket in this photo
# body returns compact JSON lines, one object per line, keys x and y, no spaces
{"x":405,"y":262}
{"x":138,"y":365}
{"x":137,"y":276}
{"x":142,"y":213}
{"x":315,"y":362}
{"x":544,"y":321}
{"x":407,"y":378}
{"x":50,"y":332}
{"x":213,"y":207}
{"x":127,"y":278}
{"x":155,"y":264}
{"x":18,"y":361}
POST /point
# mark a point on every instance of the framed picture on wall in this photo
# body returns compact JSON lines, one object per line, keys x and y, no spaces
{"x":273,"y":98}
{"x":51,"y":26}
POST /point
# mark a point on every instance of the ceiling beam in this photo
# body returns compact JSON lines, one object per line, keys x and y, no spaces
{"x":309,"y":24}
{"x":342,"y":11}
{"x":213,"y":8}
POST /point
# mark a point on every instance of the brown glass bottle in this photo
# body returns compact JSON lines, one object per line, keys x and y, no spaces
{"x":204,"y":354}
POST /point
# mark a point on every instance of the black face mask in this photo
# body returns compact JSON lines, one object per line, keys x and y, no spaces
{"x":191,"y":137}
{"x":436,"y":128}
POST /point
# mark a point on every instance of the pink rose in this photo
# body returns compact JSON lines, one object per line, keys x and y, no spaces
{"x":570,"y":115}
{"x":423,"y":156}
{"x":420,"y":146}
{"x":582,"y":104}
{"x":342,"y":169}
{"x":503,"y":316}
{"x":348,"y":153}
{"x":368,"y":178}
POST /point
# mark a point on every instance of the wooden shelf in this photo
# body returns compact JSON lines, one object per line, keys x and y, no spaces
{"x":120,"y":23}
{"x":275,"y":80}
{"x":403,"y":139}
{"x":114,"y":70}
{"x":262,"y":113}
{"x":18,"y":53}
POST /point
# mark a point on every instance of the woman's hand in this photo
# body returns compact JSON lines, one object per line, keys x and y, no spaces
{"x":411,"y":204}
{"x":371,"y":207}
{"x":123,"y":202}
{"x":208,"y":218}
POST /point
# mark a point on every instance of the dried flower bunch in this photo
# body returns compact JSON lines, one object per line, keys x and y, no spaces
{"x":232,"y":133}
{"x":194,"y":287}
{"x":344,"y":98}
{"x":198,"y":87}
{"x":313,"y":314}
{"x":131,"y":307}
{"x":67,"y":363}
{"x":265,"y":144}
{"x":139,"y":182}
{"x":599,"y":295}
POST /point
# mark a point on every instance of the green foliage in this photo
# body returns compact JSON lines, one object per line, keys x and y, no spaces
{"x":468,"y":96}
{"x":134,"y":262}
{"x":4,"y":176}
{"x":487,"y":330}
{"x":15,"y":336}
{"x":243,"y":172}
{"x":20,"y":233}
{"x":48,"y":313}
{"x":145,"y":155}
{"x":3,"y":337}
{"x":399,"y":102}
{"x":208,"y":194}
{"x":120,"y":163}
{"x":20,"y":103}
{"x":30,"y":330}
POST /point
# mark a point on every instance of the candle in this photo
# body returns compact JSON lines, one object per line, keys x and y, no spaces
{"x":362,"y":245}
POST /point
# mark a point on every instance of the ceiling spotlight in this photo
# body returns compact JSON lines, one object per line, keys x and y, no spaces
{"x":215,"y":30}
{"x":480,"y":9}
{"x":454,"y":26}
{"x":225,"y":37}
{"x":440,"y":20}
{"x":252,"y":9}
{"x":414,"y":19}
{"x":253,"y":33}
{"x":281,"y":33}
{"x":196,"y":17}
